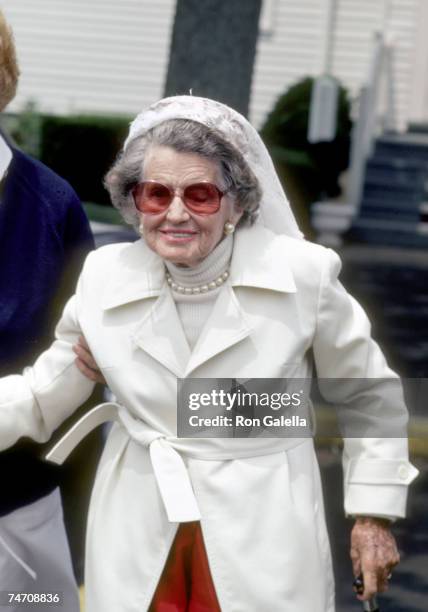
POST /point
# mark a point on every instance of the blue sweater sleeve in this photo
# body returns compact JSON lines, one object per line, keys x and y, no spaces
{"x":44,"y":238}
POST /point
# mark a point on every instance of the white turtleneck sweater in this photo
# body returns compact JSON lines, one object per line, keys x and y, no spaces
{"x":194,"y":310}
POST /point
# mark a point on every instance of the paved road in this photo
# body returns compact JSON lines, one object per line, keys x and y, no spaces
{"x":391,"y":283}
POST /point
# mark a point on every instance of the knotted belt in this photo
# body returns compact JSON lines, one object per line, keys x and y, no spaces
{"x":168,"y":466}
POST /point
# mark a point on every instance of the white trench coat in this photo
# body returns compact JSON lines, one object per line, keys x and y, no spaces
{"x":259,"y":500}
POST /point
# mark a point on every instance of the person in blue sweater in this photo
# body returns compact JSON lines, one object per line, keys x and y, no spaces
{"x":44,"y":237}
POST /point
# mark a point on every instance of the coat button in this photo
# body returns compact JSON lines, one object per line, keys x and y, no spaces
{"x":403,"y":471}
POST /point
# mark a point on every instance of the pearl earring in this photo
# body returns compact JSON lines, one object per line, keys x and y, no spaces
{"x":229,"y":228}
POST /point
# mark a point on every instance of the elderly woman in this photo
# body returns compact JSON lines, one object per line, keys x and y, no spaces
{"x":221,"y":285}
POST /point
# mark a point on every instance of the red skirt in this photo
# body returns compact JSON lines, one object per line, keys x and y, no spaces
{"x":186,"y":584}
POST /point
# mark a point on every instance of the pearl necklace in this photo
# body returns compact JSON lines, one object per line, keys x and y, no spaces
{"x":218,"y":282}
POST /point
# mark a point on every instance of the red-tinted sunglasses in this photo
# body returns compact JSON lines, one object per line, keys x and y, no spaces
{"x":153,"y":198}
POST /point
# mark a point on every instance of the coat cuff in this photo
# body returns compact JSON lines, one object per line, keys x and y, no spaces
{"x":378,"y":486}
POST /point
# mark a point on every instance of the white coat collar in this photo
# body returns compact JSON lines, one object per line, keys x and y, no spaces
{"x":5,"y":157}
{"x":258,"y":260}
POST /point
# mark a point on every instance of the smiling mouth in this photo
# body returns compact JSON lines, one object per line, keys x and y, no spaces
{"x":178,"y":235}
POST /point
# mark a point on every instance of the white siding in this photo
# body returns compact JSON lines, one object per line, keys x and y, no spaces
{"x":99,"y":56}
{"x":110,"y":56}
{"x":402,"y":25}
{"x":288,"y":52}
{"x":357,"y":23}
{"x":294,"y":45}
{"x":419,"y":88}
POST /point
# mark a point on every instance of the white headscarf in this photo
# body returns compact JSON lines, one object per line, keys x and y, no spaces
{"x":275,"y":211}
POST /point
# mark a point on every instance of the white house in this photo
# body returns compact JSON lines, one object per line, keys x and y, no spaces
{"x":105,"y":56}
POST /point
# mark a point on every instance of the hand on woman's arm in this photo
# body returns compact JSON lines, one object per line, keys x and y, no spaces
{"x":86,"y":363}
{"x":374,"y":554}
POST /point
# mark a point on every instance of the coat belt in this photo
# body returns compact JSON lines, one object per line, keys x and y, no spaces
{"x":168,"y":466}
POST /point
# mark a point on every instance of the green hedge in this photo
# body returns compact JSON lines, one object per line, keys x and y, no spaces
{"x":309,"y":172}
{"x":103,"y":214}
{"x":81,"y":149}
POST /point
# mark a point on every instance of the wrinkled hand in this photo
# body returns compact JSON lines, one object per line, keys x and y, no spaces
{"x":374,"y":553}
{"x":86,"y":363}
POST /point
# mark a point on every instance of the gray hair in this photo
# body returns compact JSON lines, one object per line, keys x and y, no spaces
{"x":184,"y":136}
{"x":9,"y":70}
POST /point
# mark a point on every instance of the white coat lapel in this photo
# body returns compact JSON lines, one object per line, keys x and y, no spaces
{"x":161,"y":335}
{"x":258,"y":262}
{"x":137,"y":274}
{"x":225,"y":326}
{"x":140,"y":275}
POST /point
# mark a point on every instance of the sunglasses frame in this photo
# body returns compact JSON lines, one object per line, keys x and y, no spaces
{"x":181,"y":192}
